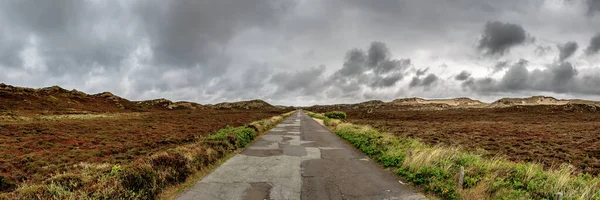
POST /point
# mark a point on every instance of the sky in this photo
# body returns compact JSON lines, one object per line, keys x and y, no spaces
{"x":304,"y":52}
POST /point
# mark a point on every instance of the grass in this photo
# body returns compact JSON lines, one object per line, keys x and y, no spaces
{"x":144,"y":178}
{"x":435,"y":169}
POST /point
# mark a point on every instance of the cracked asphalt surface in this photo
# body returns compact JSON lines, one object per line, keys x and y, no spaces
{"x":299,"y":159}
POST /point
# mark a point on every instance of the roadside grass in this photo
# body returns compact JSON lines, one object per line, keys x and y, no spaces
{"x":336,"y":115}
{"x":147,"y":177}
{"x":436,"y":168}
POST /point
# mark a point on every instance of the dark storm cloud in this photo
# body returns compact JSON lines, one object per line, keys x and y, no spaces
{"x":499,"y":37}
{"x":375,"y":69}
{"x":594,"y":46}
{"x":464,"y":75}
{"x":567,"y":50}
{"x":424,"y":82}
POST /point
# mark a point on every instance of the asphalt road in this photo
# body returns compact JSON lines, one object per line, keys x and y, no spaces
{"x":299,"y":159}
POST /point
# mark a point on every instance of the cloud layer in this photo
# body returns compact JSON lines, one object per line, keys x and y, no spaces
{"x":303,"y":52}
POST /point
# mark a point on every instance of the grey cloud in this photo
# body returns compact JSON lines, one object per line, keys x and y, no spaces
{"x":421,"y":72}
{"x":63,"y":33}
{"x":195,"y":33}
{"x":429,"y":79}
{"x":499,"y":37}
{"x":386,"y":81}
{"x":380,"y":61}
{"x":354,"y":64}
{"x":425,"y":82}
{"x":515,"y":78}
{"x":541,"y":50}
{"x":9,"y":52}
{"x":464,"y":75}
{"x":414,"y":82}
{"x":307,"y":81}
{"x":377,"y":52}
{"x":593,"y":6}
{"x":375,"y":69}
{"x":500,"y":65}
{"x":567,"y":50}
{"x":594,"y":46}
{"x":556,"y":77}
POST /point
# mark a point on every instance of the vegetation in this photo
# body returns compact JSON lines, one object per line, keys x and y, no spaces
{"x":326,"y":120}
{"x":547,"y":135}
{"x":33,"y":150}
{"x":436,"y":168}
{"x":336,"y":115}
{"x":6,"y":185}
{"x":143,"y":178}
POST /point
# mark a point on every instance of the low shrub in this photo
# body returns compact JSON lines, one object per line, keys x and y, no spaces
{"x":67,"y":181}
{"x":6,"y":185}
{"x":141,"y":179}
{"x":244,"y":135}
{"x":336,"y":115}
{"x":33,"y":192}
{"x":171,"y":167}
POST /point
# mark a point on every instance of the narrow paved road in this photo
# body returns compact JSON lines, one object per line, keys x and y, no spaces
{"x":299,"y":159}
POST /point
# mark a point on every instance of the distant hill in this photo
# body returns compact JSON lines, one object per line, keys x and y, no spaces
{"x":463,"y":101}
{"x":168,"y":104}
{"x":56,"y":100}
{"x":252,"y":104}
{"x":534,"y":100}
{"x":416,"y":103}
{"x":61,"y":100}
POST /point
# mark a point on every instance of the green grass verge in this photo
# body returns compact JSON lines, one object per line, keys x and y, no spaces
{"x":436,"y":168}
{"x":144,"y":178}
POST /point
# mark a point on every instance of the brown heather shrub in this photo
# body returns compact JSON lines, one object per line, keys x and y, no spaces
{"x":6,"y":185}
{"x":33,"y":192}
{"x":171,"y":167}
{"x":140,"y":178}
{"x":68,"y":181}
